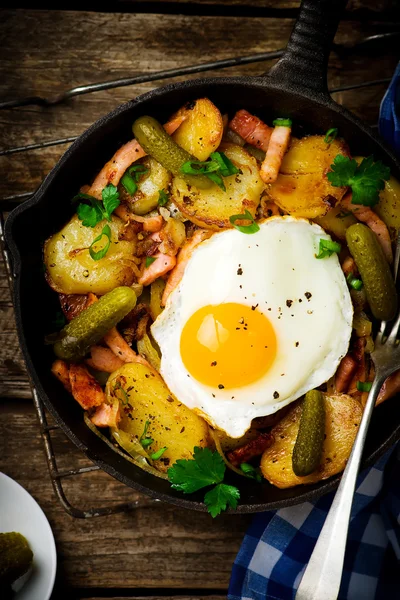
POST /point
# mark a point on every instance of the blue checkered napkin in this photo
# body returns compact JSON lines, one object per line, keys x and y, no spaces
{"x":279,"y":544}
{"x":389,"y":116}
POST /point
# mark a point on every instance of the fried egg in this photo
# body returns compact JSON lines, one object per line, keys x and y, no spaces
{"x":256,"y":321}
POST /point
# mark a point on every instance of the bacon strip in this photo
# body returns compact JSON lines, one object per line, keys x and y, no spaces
{"x":182,"y":259}
{"x":84,"y":387}
{"x":345,"y":373}
{"x":104,"y":359}
{"x":254,"y":131}
{"x":60,"y":369}
{"x":107,"y":415}
{"x":158,"y":268}
{"x":251,"y":449}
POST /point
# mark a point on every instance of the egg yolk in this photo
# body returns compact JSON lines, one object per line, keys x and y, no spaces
{"x":228,"y":345}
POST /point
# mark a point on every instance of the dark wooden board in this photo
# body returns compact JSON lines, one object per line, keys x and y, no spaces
{"x":44,"y":53}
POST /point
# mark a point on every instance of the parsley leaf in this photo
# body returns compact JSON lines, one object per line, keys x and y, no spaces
{"x":251,"y":471}
{"x":205,"y":469}
{"x":96,"y":211}
{"x":365,"y":179}
{"x":110,"y":197}
{"x":251,"y":228}
{"x":90,"y":215}
{"x":163,"y":198}
{"x":99,"y":254}
{"x":327,"y":248}
{"x":220,"y":497}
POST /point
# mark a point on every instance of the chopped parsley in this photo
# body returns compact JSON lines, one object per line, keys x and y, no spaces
{"x":149,"y":260}
{"x":327,"y":248}
{"x":252,"y":227}
{"x":364,"y":386}
{"x":99,"y":254}
{"x":216,"y":167}
{"x":331,"y":135}
{"x":205,"y":469}
{"x":163,"y":198}
{"x":96,"y":211}
{"x":365,"y":180}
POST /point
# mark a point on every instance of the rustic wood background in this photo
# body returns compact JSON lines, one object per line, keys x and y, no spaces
{"x":156,"y":550}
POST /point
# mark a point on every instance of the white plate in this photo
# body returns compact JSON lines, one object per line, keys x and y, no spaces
{"x":20,"y":512}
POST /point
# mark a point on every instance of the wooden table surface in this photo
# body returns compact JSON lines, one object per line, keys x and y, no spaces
{"x":154,"y":551}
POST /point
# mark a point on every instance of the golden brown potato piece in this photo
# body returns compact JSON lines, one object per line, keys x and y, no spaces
{"x":212,"y":208}
{"x":302,"y":188}
{"x":70,"y":268}
{"x":146,"y":197}
{"x":201,"y":132}
{"x":145,"y":397}
{"x":336,"y":222}
{"x":343,"y":415}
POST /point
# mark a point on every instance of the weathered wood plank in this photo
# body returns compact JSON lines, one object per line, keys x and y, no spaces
{"x":155,"y":546}
{"x":64,"y":49}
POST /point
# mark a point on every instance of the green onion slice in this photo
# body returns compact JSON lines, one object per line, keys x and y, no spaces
{"x":158,"y":454}
{"x":253,"y":227}
{"x":129,"y":184}
{"x":282,"y":122}
{"x":251,"y":471}
{"x":327,"y":248}
{"x":226,"y":166}
{"x":149,"y":260}
{"x":106,"y":231}
{"x":353,"y":282}
{"x":331,"y":135}
{"x":364,"y":386}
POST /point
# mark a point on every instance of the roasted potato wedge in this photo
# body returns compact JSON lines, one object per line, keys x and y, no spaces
{"x":146,"y":197}
{"x":343,"y":416}
{"x":212,"y":208}
{"x":145,"y":397}
{"x":336,"y":222}
{"x":302,"y":188}
{"x":70,"y":268}
{"x":201,"y":132}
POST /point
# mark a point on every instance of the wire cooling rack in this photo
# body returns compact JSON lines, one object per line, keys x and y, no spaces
{"x":6,"y":204}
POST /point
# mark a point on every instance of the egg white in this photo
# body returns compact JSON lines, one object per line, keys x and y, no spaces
{"x":306,"y":299}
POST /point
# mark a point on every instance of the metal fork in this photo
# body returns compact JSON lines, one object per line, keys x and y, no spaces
{"x":322,"y":577}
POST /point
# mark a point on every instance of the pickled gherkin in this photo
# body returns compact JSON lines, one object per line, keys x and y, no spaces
{"x":374,"y":270}
{"x":15,"y":557}
{"x":91,"y":325}
{"x":307,"y":450}
{"x":157,"y":143}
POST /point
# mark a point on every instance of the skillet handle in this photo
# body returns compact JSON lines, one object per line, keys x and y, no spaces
{"x":303,"y":67}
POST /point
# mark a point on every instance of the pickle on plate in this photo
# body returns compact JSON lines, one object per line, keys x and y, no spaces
{"x":307,"y":450}
{"x":157,"y":143}
{"x":15,"y":557}
{"x":374,"y":270}
{"x":93,"y":323}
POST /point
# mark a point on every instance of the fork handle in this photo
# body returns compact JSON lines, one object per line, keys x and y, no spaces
{"x":322,"y":577}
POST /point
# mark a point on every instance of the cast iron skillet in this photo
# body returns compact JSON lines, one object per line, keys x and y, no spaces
{"x":295,"y":87}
